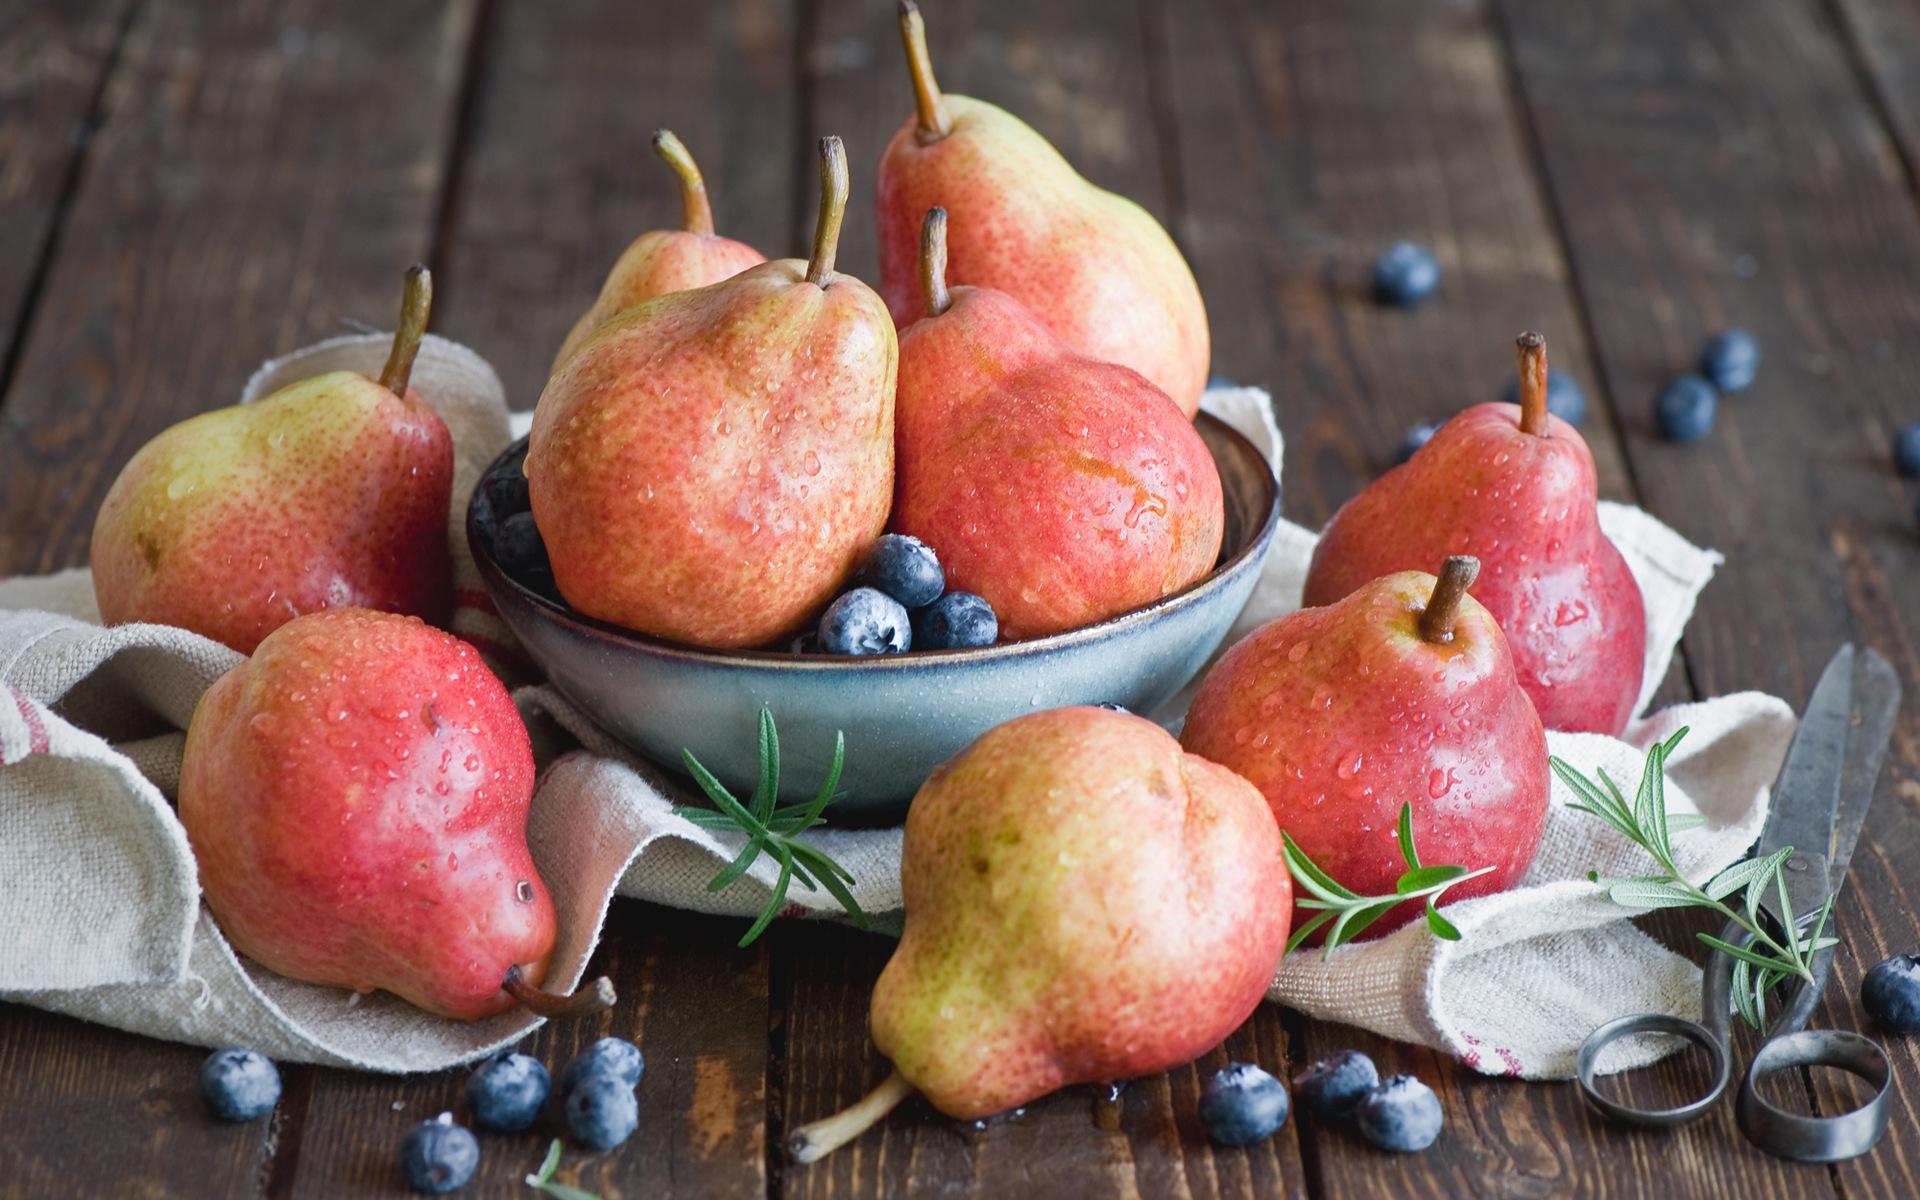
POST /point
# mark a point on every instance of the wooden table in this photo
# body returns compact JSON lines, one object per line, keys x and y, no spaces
{"x":188,"y":188}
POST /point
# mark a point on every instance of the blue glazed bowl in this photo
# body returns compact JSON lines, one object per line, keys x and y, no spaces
{"x":902,"y":715}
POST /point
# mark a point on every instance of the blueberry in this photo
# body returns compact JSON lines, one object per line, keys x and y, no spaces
{"x":906,"y":569}
{"x":506,"y":1091}
{"x":1891,"y":994}
{"x":955,"y":621}
{"x":1415,"y":438}
{"x":1110,"y":706}
{"x":1729,"y":360}
{"x":602,"y":1111}
{"x":439,"y":1156}
{"x":518,"y":547}
{"x":609,"y":1056}
{"x":1906,"y":449}
{"x":239,"y":1084}
{"x":1684,"y":409}
{"x":1242,"y":1104}
{"x":1400,"y":1114}
{"x":1331,"y":1087}
{"x":1564,"y":397}
{"x":865,"y":621}
{"x":1405,"y":275}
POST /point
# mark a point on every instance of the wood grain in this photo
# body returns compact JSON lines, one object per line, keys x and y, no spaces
{"x":694,"y":1004}
{"x":53,"y":61}
{"x":261,"y":172}
{"x":558,"y":175}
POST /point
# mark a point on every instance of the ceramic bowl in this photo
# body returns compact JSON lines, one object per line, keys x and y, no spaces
{"x":902,"y":714}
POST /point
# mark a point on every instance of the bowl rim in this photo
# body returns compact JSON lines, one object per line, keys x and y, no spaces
{"x":1250,"y":553}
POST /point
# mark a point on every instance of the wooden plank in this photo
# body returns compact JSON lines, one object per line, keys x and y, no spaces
{"x":91,"y":1111}
{"x":696,"y":1007}
{"x":53,"y":60}
{"x":1884,"y":39}
{"x":1716,"y":168}
{"x":1312,"y":136}
{"x":261,"y":172}
{"x":558,"y":176}
{"x":1077,"y":1142}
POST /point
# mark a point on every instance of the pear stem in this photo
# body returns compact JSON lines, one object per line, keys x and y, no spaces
{"x":1531,"y":354}
{"x":594,"y":996}
{"x":696,"y":210}
{"x":933,"y":262}
{"x":817,"y":1139}
{"x":833,"y":210}
{"x":416,"y":298}
{"x":1456,"y":576}
{"x":927,"y":102}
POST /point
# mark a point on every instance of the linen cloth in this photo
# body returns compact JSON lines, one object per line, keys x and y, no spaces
{"x":103,"y":921}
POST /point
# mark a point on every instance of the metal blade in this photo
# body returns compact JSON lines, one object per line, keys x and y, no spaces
{"x":1806,"y":796}
{"x":1876,"y":703}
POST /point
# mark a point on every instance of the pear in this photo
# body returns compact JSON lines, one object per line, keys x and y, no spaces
{"x":1084,"y":902}
{"x":1514,"y":486}
{"x":1096,"y":267}
{"x":1062,"y":489}
{"x":332,"y":491}
{"x":356,"y":797}
{"x":710,"y":466}
{"x":1402,"y":691}
{"x":666,"y":260}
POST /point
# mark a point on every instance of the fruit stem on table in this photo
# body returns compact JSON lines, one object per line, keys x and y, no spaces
{"x":927,"y":102}
{"x":817,"y":1139}
{"x":415,"y":301}
{"x":833,"y":209}
{"x":1531,"y":353}
{"x":933,"y":262}
{"x":696,"y":210}
{"x":1456,"y":576}
{"x":596,"y":995}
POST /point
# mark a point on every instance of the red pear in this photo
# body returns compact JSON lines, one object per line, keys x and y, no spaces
{"x":356,"y":796}
{"x":712,"y":465}
{"x":1515,"y":487}
{"x":1095,"y":267}
{"x":666,"y":260}
{"x":330,"y":492}
{"x":1063,"y":489}
{"x":1084,"y":902}
{"x":1403,"y":690}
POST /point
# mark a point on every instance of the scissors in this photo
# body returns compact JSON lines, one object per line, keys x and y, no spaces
{"x":1819,"y":804}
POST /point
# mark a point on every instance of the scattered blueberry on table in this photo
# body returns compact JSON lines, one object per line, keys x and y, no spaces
{"x":438,"y":1155}
{"x":1400,"y":1114}
{"x":608,"y":1056}
{"x":1415,"y":438}
{"x":239,"y":1084}
{"x":1730,"y":360}
{"x":1565,"y":399}
{"x":1684,"y":409}
{"x":1891,"y":994}
{"x":506,"y":1091}
{"x":1331,"y":1087}
{"x":602,"y":1111}
{"x":1405,"y":274}
{"x":1906,"y":449}
{"x":905,"y":568}
{"x":1242,"y":1104}
{"x":955,"y":621}
{"x":865,"y":621}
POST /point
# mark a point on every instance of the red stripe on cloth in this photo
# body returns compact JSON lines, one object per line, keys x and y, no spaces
{"x":38,"y":741}
{"x":475,"y":600}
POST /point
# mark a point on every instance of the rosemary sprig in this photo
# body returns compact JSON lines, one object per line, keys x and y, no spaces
{"x":772,"y":830}
{"x":1350,"y":912}
{"x":543,"y":1182}
{"x":1763,"y":960}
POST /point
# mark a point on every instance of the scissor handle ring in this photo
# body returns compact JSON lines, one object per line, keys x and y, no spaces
{"x":1652,"y":1118}
{"x":1817,"y":1139}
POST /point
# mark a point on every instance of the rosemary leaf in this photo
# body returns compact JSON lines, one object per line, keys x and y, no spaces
{"x":1349,"y":913}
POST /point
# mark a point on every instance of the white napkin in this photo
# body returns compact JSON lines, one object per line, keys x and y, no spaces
{"x":105,"y":920}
